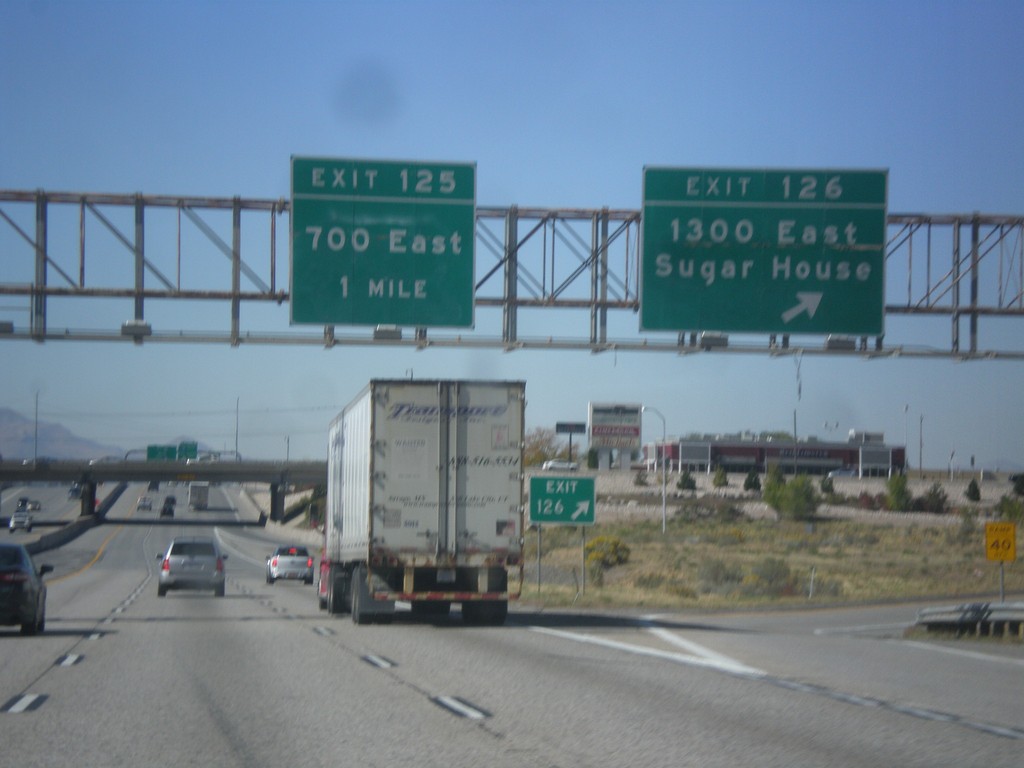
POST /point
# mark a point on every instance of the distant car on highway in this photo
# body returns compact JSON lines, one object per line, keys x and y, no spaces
{"x":559,"y":465}
{"x":845,"y":472}
{"x":192,"y":562}
{"x":145,"y":503}
{"x":167,"y":510}
{"x":290,"y":562}
{"x":22,"y":590}
{"x":21,"y":518}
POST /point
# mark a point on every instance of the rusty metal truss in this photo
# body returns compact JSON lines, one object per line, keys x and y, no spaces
{"x":169,"y":269}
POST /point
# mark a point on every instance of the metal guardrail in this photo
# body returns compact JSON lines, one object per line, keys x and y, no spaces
{"x":979,"y":619}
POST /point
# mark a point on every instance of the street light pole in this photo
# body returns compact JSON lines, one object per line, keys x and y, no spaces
{"x":35,"y":442}
{"x":657,"y":413}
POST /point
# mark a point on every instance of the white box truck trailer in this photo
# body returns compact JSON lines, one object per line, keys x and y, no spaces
{"x":198,"y":494}
{"x":425,"y":501}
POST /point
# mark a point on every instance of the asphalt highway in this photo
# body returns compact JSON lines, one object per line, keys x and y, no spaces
{"x":262,"y":677}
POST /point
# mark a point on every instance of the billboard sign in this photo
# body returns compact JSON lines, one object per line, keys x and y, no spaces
{"x":615,"y":426}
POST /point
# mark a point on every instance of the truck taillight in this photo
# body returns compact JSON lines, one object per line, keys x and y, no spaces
{"x":13,"y":578}
{"x":309,"y":562}
{"x":166,"y":566}
{"x":220,"y":565}
{"x":273,"y":562}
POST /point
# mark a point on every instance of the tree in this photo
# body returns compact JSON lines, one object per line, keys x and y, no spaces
{"x":542,"y":444}
{"x":686,"y":482}
{"x":1018,"y":484}
{"x":721,"y":479}
{"x":973,"y":492}
{"x":898,"y":496}
{"x":774,"y":483}
{"x":798,"y":499}
{"x":752,"y":482}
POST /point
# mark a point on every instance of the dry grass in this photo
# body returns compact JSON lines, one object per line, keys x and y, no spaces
{"x":714,"y":556}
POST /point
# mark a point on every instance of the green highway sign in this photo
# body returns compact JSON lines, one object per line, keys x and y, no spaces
{"x":382,"y":242}
{"x":161,"y":453}
{"x":188,"y":450}
{"x":772,"y":251}
{"x":562,"y":500}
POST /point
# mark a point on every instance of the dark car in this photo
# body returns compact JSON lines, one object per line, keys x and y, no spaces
{"x":167,"y":510}
{"x":22,"y":590}
{"x":192,"y":562}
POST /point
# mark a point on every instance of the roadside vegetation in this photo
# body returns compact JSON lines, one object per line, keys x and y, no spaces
{"x":713,"y":555}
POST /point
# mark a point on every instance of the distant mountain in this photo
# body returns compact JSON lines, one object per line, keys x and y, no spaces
{"x":18,"y":440}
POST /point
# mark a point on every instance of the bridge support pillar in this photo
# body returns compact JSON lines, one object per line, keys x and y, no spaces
{"x":88,"y":498}
{"x":276,"y":502}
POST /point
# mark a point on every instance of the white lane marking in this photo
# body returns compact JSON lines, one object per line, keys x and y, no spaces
{"x":460,"y":707}
{"x":694,"y":648}
{"x":70,"y":660}
{"x":714,"y":661}
{"x":24,"y":703}
{"x":966,"y":654}
{"x":378,"y":661}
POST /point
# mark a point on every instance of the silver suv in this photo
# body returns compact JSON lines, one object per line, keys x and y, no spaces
{"x":192,"y":562}
{"x":21,"y":518}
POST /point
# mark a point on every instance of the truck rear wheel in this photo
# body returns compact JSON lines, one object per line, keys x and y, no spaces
{"x":359,"y":616}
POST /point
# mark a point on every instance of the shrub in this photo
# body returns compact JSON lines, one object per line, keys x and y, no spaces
{"x":1018,"y":484}
{"x":935,"y":500}
{"x":640,"y":478}
{"x":752,"y":482}
{"x":898,"y":495}
{"x":973,"y":492}
{"x":609,"y":551}
{"x":1010,"y":509}
{"x":603,"y":553}
{"x":686,"y":482}
{"x":771,"y":576}
{"x":716,"y":575}
{"x":721,"y":478}
{"x":797,"y":499}
{"x":774,"y":483}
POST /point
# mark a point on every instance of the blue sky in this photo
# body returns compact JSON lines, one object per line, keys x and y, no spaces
{"x":560,"y":104}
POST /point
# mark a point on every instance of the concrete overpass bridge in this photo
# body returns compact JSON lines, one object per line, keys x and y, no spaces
{"x":277,"y":474}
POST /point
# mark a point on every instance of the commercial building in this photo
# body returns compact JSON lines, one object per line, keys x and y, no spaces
{"x":863,"y":454}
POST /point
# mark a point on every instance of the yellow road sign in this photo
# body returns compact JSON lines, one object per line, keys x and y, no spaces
{"x":1001,"y":542}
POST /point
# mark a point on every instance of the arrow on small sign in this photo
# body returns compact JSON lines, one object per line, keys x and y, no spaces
{"x":807,"y":301}
{"x":582,"y":507}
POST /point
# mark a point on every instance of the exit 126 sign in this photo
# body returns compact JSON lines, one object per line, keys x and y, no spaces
{"x":562,"y":500}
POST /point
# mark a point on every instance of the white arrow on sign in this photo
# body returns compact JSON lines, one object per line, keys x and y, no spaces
{"x":808,"y":301}
{"x":582,"y":507}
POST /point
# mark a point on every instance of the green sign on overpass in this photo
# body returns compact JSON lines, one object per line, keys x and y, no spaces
{"x":774,"y":251}
{"x":382,"y":242}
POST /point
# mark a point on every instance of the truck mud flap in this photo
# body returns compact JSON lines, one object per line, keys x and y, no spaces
{"x":365,"y":608}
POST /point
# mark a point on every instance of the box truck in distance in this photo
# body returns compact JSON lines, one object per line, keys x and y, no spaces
{"x":198,"y":494}
{"x":425,"y":501}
